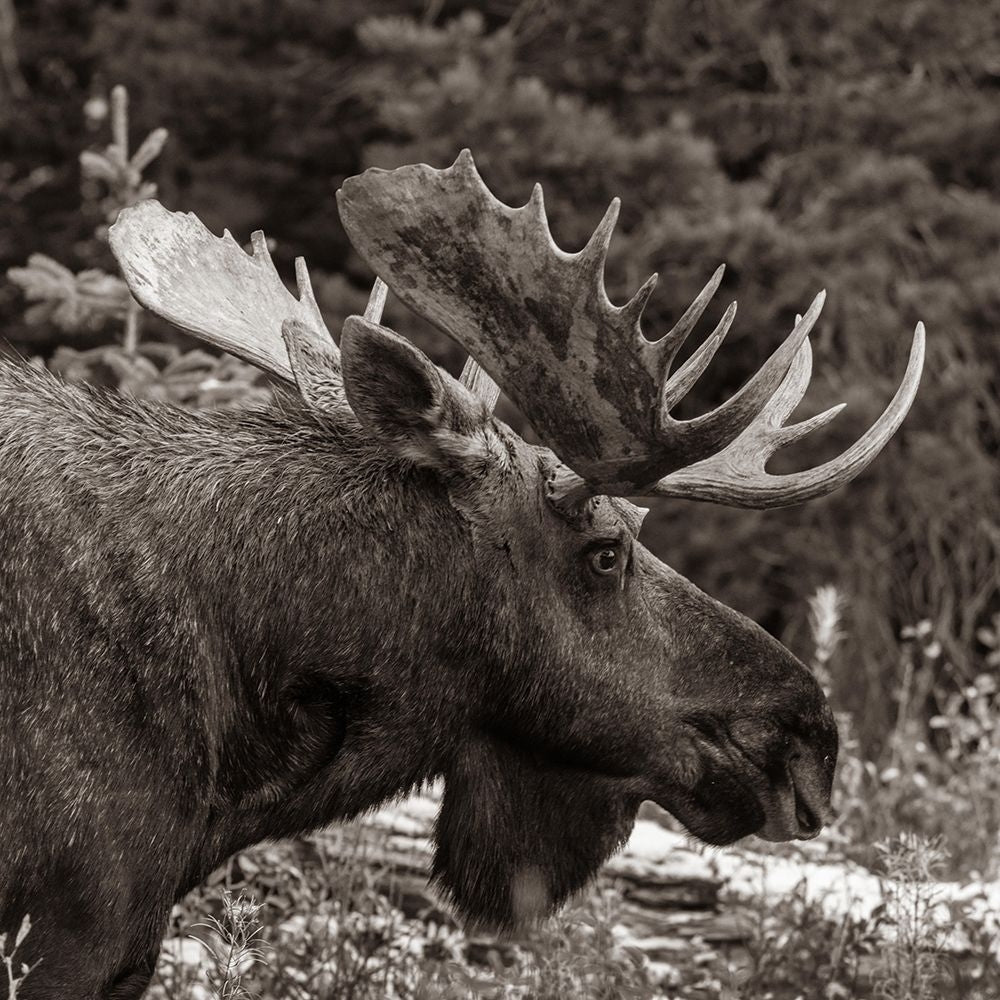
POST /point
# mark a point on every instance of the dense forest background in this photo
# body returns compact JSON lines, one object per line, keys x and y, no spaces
{"x":853,"y":147}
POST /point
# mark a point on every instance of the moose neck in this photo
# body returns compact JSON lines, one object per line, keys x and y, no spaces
{"x":271,"y":600}
{"x":334,"y":573}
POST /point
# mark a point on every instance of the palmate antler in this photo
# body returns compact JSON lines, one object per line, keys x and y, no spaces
{"x":593,"y":387}
{"x":209,"y":286}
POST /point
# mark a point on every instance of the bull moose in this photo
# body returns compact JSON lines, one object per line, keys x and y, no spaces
{"x":219,"y":627}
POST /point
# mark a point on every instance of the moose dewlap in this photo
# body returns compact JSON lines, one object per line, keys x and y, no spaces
{"x":223,"y":626}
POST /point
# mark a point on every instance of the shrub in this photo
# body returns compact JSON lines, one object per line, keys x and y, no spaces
{"x":93,"y":303}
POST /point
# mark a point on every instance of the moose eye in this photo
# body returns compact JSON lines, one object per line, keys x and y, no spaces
{"x":605,"y":561}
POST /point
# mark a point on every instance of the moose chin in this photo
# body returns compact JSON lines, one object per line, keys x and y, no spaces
{"x":219,"y":627}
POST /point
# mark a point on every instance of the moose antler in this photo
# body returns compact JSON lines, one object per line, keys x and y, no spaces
{"x":209,"y":286}
{"x":594,"y":388}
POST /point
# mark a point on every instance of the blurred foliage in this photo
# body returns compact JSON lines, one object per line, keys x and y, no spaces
{"x":74,"y":303}
{"x":93,"y":301}
{"x":939,"y":772}
{"x":850,"y":147}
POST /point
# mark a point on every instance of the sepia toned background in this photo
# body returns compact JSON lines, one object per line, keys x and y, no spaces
{"x":853,"y":147}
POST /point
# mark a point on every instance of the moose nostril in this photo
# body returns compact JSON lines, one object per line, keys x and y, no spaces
{"x":811,"y":803}
{"x":809,"y":823}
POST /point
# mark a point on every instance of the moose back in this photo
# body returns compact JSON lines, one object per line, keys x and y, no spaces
{"x":218,"y":627}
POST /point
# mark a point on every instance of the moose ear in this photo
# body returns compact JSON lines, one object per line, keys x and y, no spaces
{"x":410,"y":405}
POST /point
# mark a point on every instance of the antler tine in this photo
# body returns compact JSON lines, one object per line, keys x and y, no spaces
{"x":681,"y":381}
{"x":477,"y":380}
{"x":535,"y":206}
{"x":789,"y":396}
{"x":711,"y":431}
{"x":376,"y":301}
{"x":210,"y":287}
{"x":631,"y":312}
{"x":592,"y":257}
{"x":302,"y":280}
{"x":736,"y":476}
{"x":668,"y":345}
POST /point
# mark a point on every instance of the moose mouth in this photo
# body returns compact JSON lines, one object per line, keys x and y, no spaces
{"x":736,"y":796}
{"x":794,"y":802}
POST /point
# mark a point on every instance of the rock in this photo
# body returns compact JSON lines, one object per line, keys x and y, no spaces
{"x":680,"y":895}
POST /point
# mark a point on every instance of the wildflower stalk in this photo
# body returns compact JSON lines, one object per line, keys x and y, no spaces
{"x":238,"y":945}
{"x":825,"y":612}
{"x":17,"y":972}
{"x":913,"y":960}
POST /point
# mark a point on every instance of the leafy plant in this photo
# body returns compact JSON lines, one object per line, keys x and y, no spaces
{"x":16,"y":971}
{"x":92,"y":299}
{"x":911,"y":966}
{"x":939,"y":772}
{"x":795,"y":946}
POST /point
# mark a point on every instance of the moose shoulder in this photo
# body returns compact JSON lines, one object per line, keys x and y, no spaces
{"x":218,"y":627}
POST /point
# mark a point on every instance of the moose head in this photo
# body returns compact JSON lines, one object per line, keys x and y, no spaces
{"x":561,"y":673}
